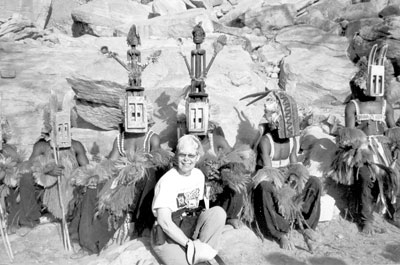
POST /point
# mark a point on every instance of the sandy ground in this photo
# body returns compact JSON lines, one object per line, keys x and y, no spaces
{"x":339,"y":243}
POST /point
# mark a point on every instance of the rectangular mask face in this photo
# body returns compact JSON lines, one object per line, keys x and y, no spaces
{"x":376,"y":81}
{"x":63,"y":130}
{"x":135,"y":114}
{"x":197,"y":114}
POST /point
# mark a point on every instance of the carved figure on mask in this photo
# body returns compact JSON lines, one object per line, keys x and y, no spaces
{"x":134,"y":64}
{"x":198,"y":69}
{"x":134,"y":58}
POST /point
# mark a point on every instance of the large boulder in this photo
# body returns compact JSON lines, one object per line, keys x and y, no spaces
{"x":269,"y":18}
{"x":317,"y":67}
{"x":234,"y":14}
{"x":273,"y":52}
{"x":299,"y":4}
{"x":355,"y":26}
{"x":207,"y":4}
{"x":313,"y":39}
{"x":100,"y":17}
{"x":316,"y":77}
{"x":359,"y":11}
{"x":330,"y":9}
{"x":168,"y":7}
{"x":386,"y":31}
{"x":60,"y":17}
{"x":215,"y":3}
{"x":170,"y":26}
{"x":37,"y":11}
{"x":324,"y":15}
{"x":24,"y":97}
{"x":317,"y":19}
{"x":388,"y":11}
{"x":18,"y":27}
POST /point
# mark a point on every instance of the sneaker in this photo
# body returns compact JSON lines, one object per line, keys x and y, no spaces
{"x":44,"y":220}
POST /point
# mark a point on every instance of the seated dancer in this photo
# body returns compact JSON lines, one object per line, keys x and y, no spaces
{"x":185,"y":232}
{"x":45,"y":168}
{"x":227,"y":172}
{"x":127,"y":193}
{"x":367,"y":117}
{"x":10,"y":162}
{"x":227,"y":169}
{"x":283,"y":192}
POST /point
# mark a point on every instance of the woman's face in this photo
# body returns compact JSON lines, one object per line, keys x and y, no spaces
{"x":187,"y":159}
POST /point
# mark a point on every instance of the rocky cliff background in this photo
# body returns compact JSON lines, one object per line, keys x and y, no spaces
{"x":307,"y":47}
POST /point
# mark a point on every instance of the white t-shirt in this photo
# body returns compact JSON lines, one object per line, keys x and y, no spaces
{"x":175,"y":191}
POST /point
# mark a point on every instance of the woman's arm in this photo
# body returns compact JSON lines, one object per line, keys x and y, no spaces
{"x":293,"y":154}
{"x":155,"y":142}
{"x":164,"y":219}
{"x":264,"y":147}
{"x":390,"y":115}
{"x":350,"y":115}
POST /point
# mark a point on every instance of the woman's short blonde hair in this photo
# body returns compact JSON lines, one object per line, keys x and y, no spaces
{"x":190,"y":139}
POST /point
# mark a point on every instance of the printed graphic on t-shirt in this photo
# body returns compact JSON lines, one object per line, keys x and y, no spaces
{"x":188,"y":199}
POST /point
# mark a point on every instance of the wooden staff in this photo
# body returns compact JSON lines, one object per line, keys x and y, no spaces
{"x":64,"y":225}
{"x":4,"y":235}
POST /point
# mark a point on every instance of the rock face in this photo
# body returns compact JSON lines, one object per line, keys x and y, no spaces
{"x":239,"y":10}
{"x":308,"y":60}
{"x":168,"y":7}
{"x":269,"y":18}
{"x":170,"y":26}
{"x":60,"y":17}
{"x":359,"y":11}
{"x":37,"y":11}
{"x":307,"y":75}
{"x":18,"y":27}
{"x":100,"y":17}
{"x":316,"y":64}
{"x":317,"y":19}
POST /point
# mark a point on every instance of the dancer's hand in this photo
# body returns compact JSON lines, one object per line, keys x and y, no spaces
{"x":56,"y":171}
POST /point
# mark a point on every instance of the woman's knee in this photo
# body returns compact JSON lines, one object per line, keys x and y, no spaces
{"x":217,"y":213}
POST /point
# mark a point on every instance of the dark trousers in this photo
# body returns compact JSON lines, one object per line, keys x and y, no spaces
{"x":26,"y":212}
{"x":367,"y":192}
{"x":270,"y":222}
{"x":91,"y":231}
{"x":232,"y":202}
